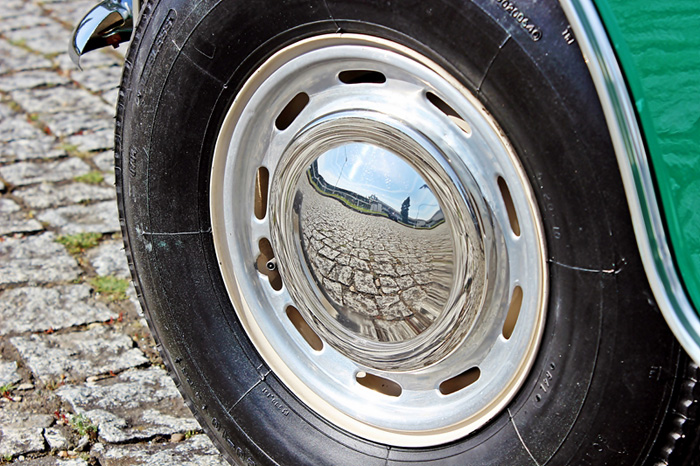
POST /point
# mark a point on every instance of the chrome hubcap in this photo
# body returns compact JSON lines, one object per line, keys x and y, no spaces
{"x":379,"y":240}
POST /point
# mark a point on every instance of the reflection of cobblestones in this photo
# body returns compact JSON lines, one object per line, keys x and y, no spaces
{"x":388,"y":282}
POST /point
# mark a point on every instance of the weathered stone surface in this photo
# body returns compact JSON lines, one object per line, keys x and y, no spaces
{"x":69,"y":123}
{"x":35,"y":259}
{"x":47,"y":195}
{"x":138,"y":404}
{"x":22,"y":433}
{"x":91,"y":141}
{"x":30,"y":79}
{"x":21,"y":140}
{"x":56,"y":439}
{"x":8,"y":373}
{"x":25,"y":173}
{"x":101,"y":217}
{"x":23,"y":19}
{"x":195,"y":451}
{"x":33,"y":309}
{"x":98,"y":58}
{"x":13,"y":9}
{"x":70,"y":12}
{"x":12,"y":220}
{"x":99,"y":79}
{"x":50,"y":111}
{"x":111,"y":97}
{"x":16,"y":58}
{"x":58,"y":99}
{"x":105,"y":161}
{"x":52,"y":461}
{"x":47,"y":38}
{"x":109,"y":259}
{"x":77,"y":355}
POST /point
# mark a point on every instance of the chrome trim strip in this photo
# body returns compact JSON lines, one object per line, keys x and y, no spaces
{"x":636,"y":174}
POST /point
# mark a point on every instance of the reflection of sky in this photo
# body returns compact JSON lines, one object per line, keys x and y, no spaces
{"x":366,"y":169}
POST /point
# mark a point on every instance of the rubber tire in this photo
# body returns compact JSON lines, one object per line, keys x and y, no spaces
{"x":610,"y":384}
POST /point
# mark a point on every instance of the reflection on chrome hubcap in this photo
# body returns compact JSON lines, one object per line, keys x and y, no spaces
{"x":397,"y":273}
{"x":365,"y":217}
{"x":379,"y":240}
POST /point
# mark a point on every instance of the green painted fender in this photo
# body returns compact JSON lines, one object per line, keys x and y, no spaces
{"x":658,"y":46}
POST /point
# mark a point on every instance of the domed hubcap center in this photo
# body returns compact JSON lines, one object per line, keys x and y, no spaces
{"x":373,"y":243}
{"x":376,"y":242}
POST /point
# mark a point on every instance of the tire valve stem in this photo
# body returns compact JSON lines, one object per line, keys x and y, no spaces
{"x":271,"y":265}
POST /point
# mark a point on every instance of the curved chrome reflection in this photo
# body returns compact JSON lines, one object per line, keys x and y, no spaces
{"x":111,"y":22}
{"x":374,"y":237}
{"x":375,"y":249}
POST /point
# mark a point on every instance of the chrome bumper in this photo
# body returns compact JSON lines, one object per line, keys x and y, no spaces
{"x":111,"y":22}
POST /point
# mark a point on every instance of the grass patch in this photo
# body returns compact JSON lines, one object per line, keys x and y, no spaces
{"x":6,"y":390}
{"x":112,"y":288}
{"x":79,"y":242}
{"x":83,"y":426}
{"x":93,"y":177}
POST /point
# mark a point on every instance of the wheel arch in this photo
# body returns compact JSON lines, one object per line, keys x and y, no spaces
{"x":637,"y":173}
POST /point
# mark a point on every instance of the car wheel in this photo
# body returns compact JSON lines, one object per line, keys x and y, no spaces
{"x":373,"y":233}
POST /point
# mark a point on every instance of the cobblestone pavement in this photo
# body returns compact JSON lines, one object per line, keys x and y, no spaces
{"x":80,"y":380}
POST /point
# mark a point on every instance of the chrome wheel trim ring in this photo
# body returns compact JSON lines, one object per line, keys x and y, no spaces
{"x":475,"y":161}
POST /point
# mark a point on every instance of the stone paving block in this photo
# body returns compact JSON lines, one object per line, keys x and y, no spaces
{"x":70,"y":12}
{"x":35,"y":259}
{"x":91,"y":141}
{"x":47,"y":38}
{"x":20,"y":140}
{"x":16,"y":58}
{"x":104,"y":161}
{"x":99,"y":79}
{"x":40,"y":147}
{"x":32,"y":309}
{"x":78,"y":355}
{"x":31,"y":79}
{"x":25,"y":173}
{"x":45,"y":195}
{"x":95,"y":59}
{"x":137,"y":404}
{"x":8,"y":373}
{"x":15,"y":8}
{"x":12,"y":220}
{"x":109,"y":258}
{"x":14,"y":125}
{"x":58,"y":99}
{"x":52,"y":461}
{"x":56,"y":439}
{"x":110,"y":179}
{"x":22,"y":433}
{"x":70,"y":123}
{"x":195,"y":451}
{"x":111,"y":97}
{"x":24,"y":19}
{"x":102,"y":217}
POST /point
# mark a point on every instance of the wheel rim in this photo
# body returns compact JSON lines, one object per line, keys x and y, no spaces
{"x":341,"y":182}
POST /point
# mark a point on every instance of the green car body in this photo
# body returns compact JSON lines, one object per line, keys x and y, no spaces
{"x":644,"y":63}
{"x":657,"y":46}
